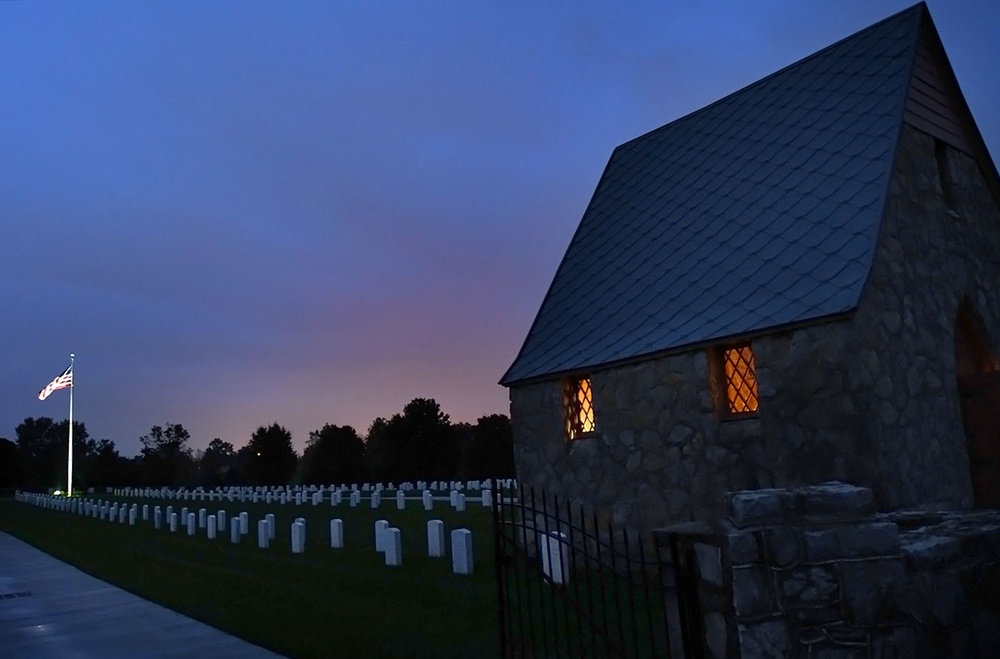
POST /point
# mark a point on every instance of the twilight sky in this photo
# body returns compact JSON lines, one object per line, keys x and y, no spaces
{"x":236,"y":213}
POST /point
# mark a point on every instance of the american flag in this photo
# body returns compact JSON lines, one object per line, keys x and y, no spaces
{"x":61,"y":382}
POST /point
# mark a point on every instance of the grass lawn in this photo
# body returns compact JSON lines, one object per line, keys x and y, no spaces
{"x":325,"y":602}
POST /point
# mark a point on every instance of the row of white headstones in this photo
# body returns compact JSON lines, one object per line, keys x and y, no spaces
{"x":388,"y":540}
{"x":300,"y":494}
{"x":458,"y":500}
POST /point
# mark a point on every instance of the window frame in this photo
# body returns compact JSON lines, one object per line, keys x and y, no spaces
{"x":727,"y":406}
{"x":574,"y":409}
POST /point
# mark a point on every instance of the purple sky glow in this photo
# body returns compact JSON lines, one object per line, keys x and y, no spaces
{"x":236,"y":213}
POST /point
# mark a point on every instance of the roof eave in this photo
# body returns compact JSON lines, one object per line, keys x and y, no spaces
{"x":689,"y":347}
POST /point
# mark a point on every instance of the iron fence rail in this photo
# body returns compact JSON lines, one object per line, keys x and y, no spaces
{"x":572,"y":586}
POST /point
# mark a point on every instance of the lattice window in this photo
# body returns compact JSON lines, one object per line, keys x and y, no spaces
{"x":740,"y":371}
{"x":578,"y":405}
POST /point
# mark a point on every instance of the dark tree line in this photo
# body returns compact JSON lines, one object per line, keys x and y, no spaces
{"x":420,"y":443}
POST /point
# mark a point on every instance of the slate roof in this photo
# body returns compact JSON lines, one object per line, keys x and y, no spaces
{"x":759,"y":211}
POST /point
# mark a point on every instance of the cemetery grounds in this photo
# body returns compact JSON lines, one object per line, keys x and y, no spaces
{"x":320,"y":603}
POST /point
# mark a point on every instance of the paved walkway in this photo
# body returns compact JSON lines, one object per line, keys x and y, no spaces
{"x":51,"y":610}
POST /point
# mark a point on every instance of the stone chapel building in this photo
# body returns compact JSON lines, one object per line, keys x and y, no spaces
{"x":798,"y":283}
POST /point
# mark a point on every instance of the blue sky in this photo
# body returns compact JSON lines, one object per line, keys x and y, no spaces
{"x":236,"y":213}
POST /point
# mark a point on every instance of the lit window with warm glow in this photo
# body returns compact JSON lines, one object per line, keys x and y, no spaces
{"x":578,"y":404}
{"x":740,"y":371}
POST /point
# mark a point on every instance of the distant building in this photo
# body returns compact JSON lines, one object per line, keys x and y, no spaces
{"x":797,"y":283}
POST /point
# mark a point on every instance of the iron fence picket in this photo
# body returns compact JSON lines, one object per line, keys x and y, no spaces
{"x":590,"y":607}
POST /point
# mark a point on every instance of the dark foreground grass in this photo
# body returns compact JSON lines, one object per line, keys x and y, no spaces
{"x":323,"y":603}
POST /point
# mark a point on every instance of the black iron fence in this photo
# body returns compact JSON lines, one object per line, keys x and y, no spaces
{"x":570,"y":586}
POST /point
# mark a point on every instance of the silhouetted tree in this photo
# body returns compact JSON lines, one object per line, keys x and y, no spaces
{"x":166,"y":457}
{"x":216,"y":463}
{"x":11,"y":464}
{"x":335,"y":454}
{"x":105,"y":467}
{"x":463,"y":438}
{"x":432,"y":441}
{"x":42,"y":444}
{"x":382,"y":457}
{"x":418,"y":444}
{"x":490,"y":451}
{"x":269,"y":458}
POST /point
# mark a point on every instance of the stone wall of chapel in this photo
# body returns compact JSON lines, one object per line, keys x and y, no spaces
{"x":871,"y":400}
{"x":930,"y":256}
{"x":662,"y":453}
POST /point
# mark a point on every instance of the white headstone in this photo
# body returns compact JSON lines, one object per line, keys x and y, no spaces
{"x":487,"y":499}
{"x":269,"y":518}
{"x":157,"y":518}
{"x":380,"y":527}
{"x":435,"y":538}
{"x":428,"y":500}
{"x":400,"y":500}
{"x":298,"y":537}
{"x":263,"y":534}
{"x":145,"y":512}
{"x":192,"y":523}
{"x":460,"y":502}
{"x":337,"y":533}
{"x":234,"y":529}
{"x":220,"y":519}
{"x":131,"y":517}
{"x":393,"y":547}
{"x":461,"y":551}
{"x":202,"y":515}
{"x":376,"y":498}
{"x":244,"y":523}
{"x":210,"y":528}
{"x":554,"y":552}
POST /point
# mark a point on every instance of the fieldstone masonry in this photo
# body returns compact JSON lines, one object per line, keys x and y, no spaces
{"x":814,"y":571}
{"x":869,"y":397}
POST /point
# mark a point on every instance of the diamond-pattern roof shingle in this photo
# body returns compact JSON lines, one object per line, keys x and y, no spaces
{"x":758,"y":211}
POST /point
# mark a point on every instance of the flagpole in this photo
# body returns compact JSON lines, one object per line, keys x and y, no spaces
{"x":69,"y":462}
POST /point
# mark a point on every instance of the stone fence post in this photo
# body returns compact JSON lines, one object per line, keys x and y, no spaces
{"x":814,"y":571}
